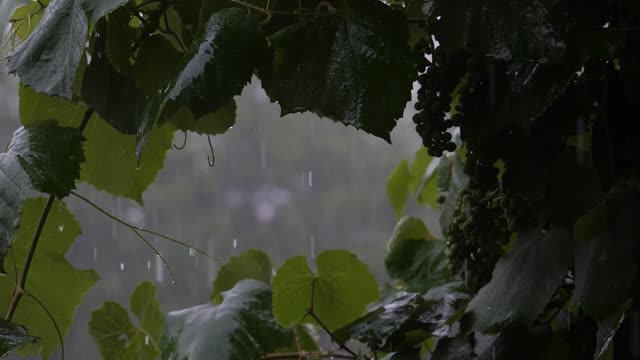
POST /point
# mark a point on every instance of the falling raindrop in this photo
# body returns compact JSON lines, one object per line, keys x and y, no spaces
{"x":148,"y":264}
{"x":312,"y":246}
{"x":273,"y":272}
{"x":122,"y":266}
{"x":146,"y":340}
{"x":159,"y":270}
{"x":95,"y":253}
{"x":263,"y":155}
{"x":466,"y":283}
{"x":235,"y":243}
{"x":310,"y":178}
{"x":192,"y":252}
{"x":60,"y":227}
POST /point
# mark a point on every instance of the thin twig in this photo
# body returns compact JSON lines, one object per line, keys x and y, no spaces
{"x":164,"y":261}
{"x":211,"y":159}
{"x":137,"y":228}
{"x":20,"y":288}
{"x":184,"y":143}
{"x":53,"y":320}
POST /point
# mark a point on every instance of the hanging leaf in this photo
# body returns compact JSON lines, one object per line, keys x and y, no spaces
{"x":119,"y":39}
{"x":42,"y":158}
{"x":149,"y":73}
{"x":419,"y":167}
{"x":342,"y":65}
{"x":49,"y":265}
{"x":7,"y":7}
{"x":48,"y":60}
{"x":218,"y":66}
{"x":522,"y":342}
{"x":339,"y":292}
{"x":99,"y":8}
{"x":398,"y":187}
{"x":511,"y":295}
{"x":241,"y":327}
{"x":38,"y":108}
{"x":419,"y":263}
{"x":400,"y":322}
{"x":451,"y":180}
{"x":13,"y":336}
{"x":118,"y":338}
{"x":111,"y":163}
{"x":252,"y":264}
{"x":457,"y":348}
{"x":214,"y":123}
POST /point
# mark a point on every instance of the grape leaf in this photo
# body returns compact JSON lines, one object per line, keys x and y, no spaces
{"x":49,"y":266}
{"x":456,"y":348}
{"x":419,"y":167}
{"x":116,"y":335}
{"x":217,"y":67}
{"x":339,"y":293}
{"x":37,"y":108}
{"x":240,"y":328}
{"x":13,"y":336}
{"x":99,"y":8}
{"x":119,"y":40}
{"x":111,"y":164}
{"x":451,"y":180}
{"x":7,"y":7}
{"x":149,"y":73}
{"x":342,"y":65}
{"x":415,"y":257}
{"x":523,"y":280}
{"x":398,"y":187}
{"x":27,"y":18}
{"x":252,"y":264}
{"x":42,"y":158}
{"x":214,"y":123}
{"x":48,"y":60}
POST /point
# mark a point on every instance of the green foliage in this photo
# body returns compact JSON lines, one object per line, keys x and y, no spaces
{"x":543,"y":255}
{"x":326,"y":65}
{"x":415,"y":257}
{"x":341,"y":279}
{"x":48,"y":61}
{"x":149,"y":73}
{"x":241,"y":327}
{"x":252,"y":264}
{"x":398,"y":187}
{"x":52,"y":279}
{"x":116,"y":335}
{"x":7,"y":8}
{"x":37,"y":108}
{"x":13,"y":336}
{"x":42,"y":158}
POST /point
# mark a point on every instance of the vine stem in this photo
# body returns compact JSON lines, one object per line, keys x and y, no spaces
{"x":19,"y":291}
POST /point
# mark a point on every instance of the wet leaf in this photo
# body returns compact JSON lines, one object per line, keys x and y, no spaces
{"x":48,"y":60}
{"x":214,"y":123}
{"x":99,"y":8}
{"x":341,"y":290}
{"x":523,"y":280}
{"x":398,"y":187}
{"x":521,"y":342}
{"x":7,"y":7}
{"x":453,"y":349}
{"x":13,"y":336}
{"x":240,"y":328}
{"x":42,"y":158}
{"x":419,"y":167}
{"x":342,"y":65}
{"x":252,"y":264}
{"x":49,"y":266}
{"x":149,"y":73}
{"x":451,"y":180}
{"x":111,"y":163}
{"x":37,"y":109}
{"x":119,"y":40}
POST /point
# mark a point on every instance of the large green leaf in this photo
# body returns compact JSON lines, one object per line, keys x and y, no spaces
{"x":252,"y":264}
{"x":149,"y":73}
{"x":116,"y":335}
{"x":240,"y":328}
{"x":216,"y":68}
{"x":7,"y":7}
{"x":48,"y":60}
{"x":605,"y":260}
{"x":339,"y":293}
{"x":36,"y":108}
{"x":111,"y":164}
{"x":523,"y":280}
{"x":119,"y":39}
{"x":48,"y":268}
{"x":398,"y":187}
{"x":13,"y":336}
{"x":416,"y":257}
{"x":401,"y":321}
{"x":342,"y":65}
{"x":42,"y":158}
{"x":114,"y":96}
{"x":525,"y":343}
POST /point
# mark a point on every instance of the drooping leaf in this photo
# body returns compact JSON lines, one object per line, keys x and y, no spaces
{"x":48,"y":60}
{"x":118,"y":338}
{"x":451,"y":179}
{"x":605,"y":254}
{"x":252,"y":264}
{"x":49,"y":265}
{"x":342,"y":65}
{"x":398,"y":187}
{"x":339,"y":292}
{"x":42,"y":158}
{"x":419,"y":167}
{"x":103,"y":86}
{"x":99,"y":8}
{"x":522,"y":342}
{"x":26,"y":19}
{"x":401,"y":321}
{"x":218,"y":66}
{"x":111,"y":164}
{"x":37,"y":108}
{"x":240,"y":328}
{"x":407,"y":228}
{"x":523,"y":280}
{"x":214,"y":123}
{"x":457,"y":348}
{"x":119,"y":39}
{"x":7,"y":7}
{"x":607,"y":329}
{"x":13,"y":336}
{"x":149,"y":73}
{"x":419,"y":263}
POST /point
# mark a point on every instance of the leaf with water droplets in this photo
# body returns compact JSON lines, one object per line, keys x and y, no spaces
{"x":252,"y":264}
{"x":512,"y":295}
{"x":342,"y":65}
{"x":241,"y":327}
{"x":13,"y":336}
{"x":116,"y":335}
{"x":49,"y":266}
